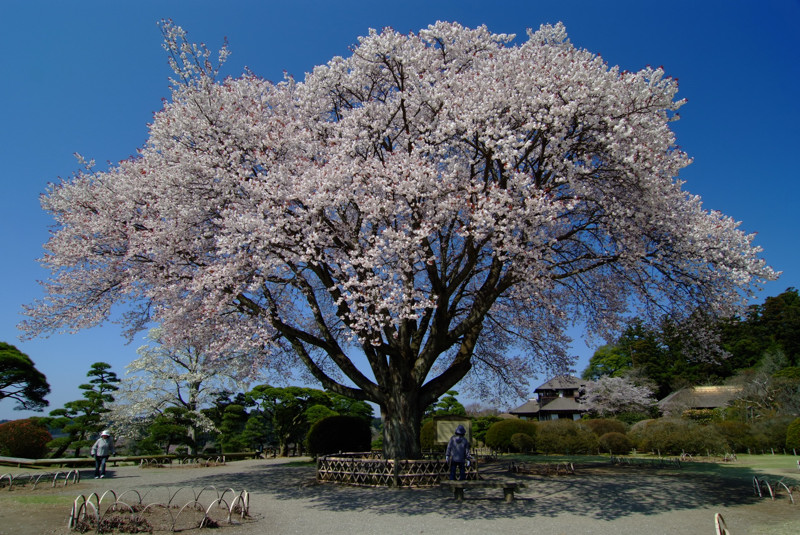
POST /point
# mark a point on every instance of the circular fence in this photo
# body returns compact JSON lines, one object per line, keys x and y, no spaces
{"x":163,"y":462}
{"x":657,"y":462}
{"x":547,"y":469}
{"x":32,"y":480}
{"x":763,"y":488}
{"x":182,"y":509}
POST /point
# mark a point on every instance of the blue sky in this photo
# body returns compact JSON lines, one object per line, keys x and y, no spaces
{"x":86,"y":77}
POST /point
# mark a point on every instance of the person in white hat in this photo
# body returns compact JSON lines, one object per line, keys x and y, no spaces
{"x":101,"y":450}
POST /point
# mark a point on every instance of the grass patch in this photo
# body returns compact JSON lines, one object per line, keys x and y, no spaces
{"x":29,"y":499}
{"x":777,"y":467}
{"x":301,"y":463}
{"x":553,"y":459}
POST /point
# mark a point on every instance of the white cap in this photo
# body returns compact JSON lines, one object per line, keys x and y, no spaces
{"x":105,"y":433}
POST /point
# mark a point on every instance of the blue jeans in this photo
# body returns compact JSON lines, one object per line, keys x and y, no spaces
{"x":461,"y":471}
{"x":100,"y":466}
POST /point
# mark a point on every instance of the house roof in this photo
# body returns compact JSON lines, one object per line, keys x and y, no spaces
{"x":701,"y":397}
{"x":561,"y":382}
{"x":564,"y":405}
{"x":529,"y":407}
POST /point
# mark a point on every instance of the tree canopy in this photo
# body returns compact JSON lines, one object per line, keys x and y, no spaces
{"x":657,"y":353}
{"x":609,"y":396}
{"x":175,"y":383}
{"x":608,"y":361}
{"x":441,"y":205}
{"x":20,"y":380}
{"x":286,"y":409}
{"x":80,"y":421}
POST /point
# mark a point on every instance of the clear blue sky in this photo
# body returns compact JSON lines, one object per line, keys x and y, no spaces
{"x":86,"y":76}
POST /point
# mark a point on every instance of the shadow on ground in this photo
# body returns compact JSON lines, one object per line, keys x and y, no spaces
{"x":603,"y":493}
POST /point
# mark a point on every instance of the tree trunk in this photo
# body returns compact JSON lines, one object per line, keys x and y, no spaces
{"x":401,"y":426}
{"x":193,"y":441}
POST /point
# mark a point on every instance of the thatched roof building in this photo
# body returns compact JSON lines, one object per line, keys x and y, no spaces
{"x":699,"y":397}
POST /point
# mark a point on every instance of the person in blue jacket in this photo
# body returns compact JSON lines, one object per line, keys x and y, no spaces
{"x":457,"y":453}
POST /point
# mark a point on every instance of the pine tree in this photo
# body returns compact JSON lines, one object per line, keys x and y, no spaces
{"x":81,"y":420}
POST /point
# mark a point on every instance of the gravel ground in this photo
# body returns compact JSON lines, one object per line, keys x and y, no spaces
{"x":285,"y":499}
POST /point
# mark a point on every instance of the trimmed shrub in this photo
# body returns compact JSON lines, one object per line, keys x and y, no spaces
{"x":615,"y":443}
{"x":339,"y":433}
{"x":523,"y":443}
{"x":427,"y":437}
{"x":769,"y":434}
{"x":737,"y":434}
{"x":602,"y":426}
{"x":480,"y":426}
{"x":24,"y":438}
{"x":631,"y":418}
{"x":793,"y":435}
{"x":673,"y":436}
{"x":565,"y":436}
{"x":702,"y":416}
{"x":499,"y":435}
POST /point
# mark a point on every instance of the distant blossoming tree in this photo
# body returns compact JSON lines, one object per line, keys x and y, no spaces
{"x":184,"y":377}
{"x":608,"y":396}
{"x":440,"y":206}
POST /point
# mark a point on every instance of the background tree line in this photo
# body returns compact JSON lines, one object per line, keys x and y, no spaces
{"x":760,"y":352}
{"x":262,"y":418}
{"x":201,"y":412}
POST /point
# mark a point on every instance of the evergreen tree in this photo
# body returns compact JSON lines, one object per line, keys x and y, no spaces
{"x":447,"y":405}
{"x":81,"y":420}
{"x":169,"y":429}
{"x":773,"y":325}
{"x":234,"y":420}
{"x":287,"y":408}
{"x":20,"y":380}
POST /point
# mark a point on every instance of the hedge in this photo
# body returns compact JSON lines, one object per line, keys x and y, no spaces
{"x":340,"y":433}
{"x":499,"y":435}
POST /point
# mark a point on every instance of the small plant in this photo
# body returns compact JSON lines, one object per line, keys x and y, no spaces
{"x":114,"y":524}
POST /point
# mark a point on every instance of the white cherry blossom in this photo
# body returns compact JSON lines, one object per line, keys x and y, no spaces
{"x":445,"y":204}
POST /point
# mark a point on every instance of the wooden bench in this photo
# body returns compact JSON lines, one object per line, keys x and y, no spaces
{"x":508,"y":487}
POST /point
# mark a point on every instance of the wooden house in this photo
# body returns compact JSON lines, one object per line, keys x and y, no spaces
{"x":557,"y":398}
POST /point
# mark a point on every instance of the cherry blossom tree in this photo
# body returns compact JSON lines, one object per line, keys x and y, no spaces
{"x":437,"y":208}
{"x":609,"y":395}
{"x":183,"y":377}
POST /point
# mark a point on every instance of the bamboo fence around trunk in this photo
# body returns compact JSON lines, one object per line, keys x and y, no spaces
{"x":369,"y":469}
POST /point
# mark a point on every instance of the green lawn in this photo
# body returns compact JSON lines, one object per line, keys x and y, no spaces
{"x":33,"y":499}
{"x":779,"y":467}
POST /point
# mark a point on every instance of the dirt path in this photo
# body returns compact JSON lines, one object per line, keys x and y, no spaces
{"x":285,"y":499}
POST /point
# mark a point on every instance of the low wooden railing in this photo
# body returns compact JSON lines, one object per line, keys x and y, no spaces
{"x":368,"y":469}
